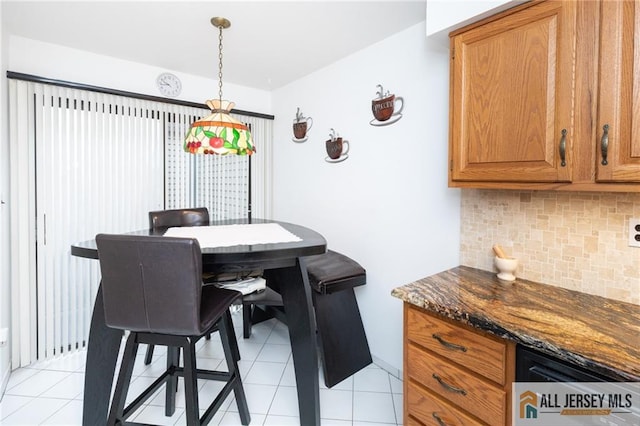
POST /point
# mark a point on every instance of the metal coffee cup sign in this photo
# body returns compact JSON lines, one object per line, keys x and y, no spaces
{"x":386,"y":107}
{"x":301,"y":125}
{"x":383,"y":108}
{"x":337,"y":148}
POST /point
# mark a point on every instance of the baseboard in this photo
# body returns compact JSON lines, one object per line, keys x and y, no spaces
{"x":387,"y":367}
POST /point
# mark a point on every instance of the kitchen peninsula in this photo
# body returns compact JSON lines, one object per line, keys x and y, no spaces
{"x":599,"y":334}
{"x":463,"y":328}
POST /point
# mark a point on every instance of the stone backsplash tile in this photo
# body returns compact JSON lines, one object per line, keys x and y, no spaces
{"x":577,"y":241}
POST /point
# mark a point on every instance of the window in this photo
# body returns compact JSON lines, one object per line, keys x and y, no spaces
{"x":84,"y":162}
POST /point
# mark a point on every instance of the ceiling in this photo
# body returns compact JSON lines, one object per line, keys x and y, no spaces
{"x":268,"y":45}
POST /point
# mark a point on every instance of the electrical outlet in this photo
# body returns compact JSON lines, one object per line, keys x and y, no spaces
{"x":634,"y":232}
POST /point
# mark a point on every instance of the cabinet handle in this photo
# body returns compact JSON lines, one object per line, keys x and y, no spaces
{"x":563,"y":148}
{"x":448,"y":386}
{"x":438,"y":419}
{"x":448,"y":344}
{"x":604,"y":144}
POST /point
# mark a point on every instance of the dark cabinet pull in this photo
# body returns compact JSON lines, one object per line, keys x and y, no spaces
{"x":448,"y":344}
{"x":438,"y":419}
{"x":563,"y":148}
{"x":448,"y":386}
{"x":604,"y":144}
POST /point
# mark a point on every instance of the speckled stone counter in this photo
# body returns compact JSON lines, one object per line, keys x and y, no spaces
{"x":600,"y":334}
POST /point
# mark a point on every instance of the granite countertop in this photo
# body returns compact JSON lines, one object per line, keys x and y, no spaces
{"x":600,"y":334}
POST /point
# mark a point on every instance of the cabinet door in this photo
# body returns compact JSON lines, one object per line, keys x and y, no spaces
{"x":619,"y":97}
{"x":511,"y":96}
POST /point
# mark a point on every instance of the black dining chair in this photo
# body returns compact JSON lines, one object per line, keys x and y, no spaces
{"x":152,"y":287}
{"x":256,"y":307}
{"x":178,"y":217}
{"x":198,"y":216}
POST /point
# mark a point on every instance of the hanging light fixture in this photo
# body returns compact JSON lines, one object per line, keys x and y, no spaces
{"x":219,"y":133}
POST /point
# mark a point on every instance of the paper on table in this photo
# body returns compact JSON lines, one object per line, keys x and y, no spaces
{"x":233,"y":235}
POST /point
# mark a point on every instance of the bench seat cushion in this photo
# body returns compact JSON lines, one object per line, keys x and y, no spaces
{"x":332,"y":271}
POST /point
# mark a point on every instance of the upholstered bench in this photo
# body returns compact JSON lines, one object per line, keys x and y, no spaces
{"x":341,"y":337}
{"x":342,"y":341}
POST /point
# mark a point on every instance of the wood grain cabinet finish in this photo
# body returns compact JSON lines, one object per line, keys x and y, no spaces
{"x":619,"y":97}
{"x":531,"y":91}
{"x":511,"y":89}
{"x":453,"y":374}
{"x":429,"y":409}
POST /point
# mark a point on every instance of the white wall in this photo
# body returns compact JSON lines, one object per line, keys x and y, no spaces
{"x":444,"y":16}
{"x":387,"y":206}
{"x":5,"y":311}
{"x":62,"y":63}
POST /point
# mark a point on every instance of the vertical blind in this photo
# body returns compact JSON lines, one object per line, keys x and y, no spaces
{"x":220,"y":183}
{"x":84,"y":162}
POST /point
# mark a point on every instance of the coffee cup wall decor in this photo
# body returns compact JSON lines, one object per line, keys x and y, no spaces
{"x":386,"y":107}
{"x":337,"y":148}
{"x":301,"y":125}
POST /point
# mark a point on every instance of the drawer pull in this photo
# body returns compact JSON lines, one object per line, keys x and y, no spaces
{"x":438,"y":419}
{"x":448,"y":386}
{"x":448,"y":344}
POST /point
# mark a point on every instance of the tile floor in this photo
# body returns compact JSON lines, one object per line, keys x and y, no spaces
{"x":50,"y":393}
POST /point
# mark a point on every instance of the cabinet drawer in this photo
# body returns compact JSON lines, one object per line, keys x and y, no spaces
{"x":412,"y":422}
{"x":482,"y":354}
{"x":481,"y":398}
{"x":428,"y":408}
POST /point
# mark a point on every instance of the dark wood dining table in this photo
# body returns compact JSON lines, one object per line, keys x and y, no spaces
{"x":282,"y":262}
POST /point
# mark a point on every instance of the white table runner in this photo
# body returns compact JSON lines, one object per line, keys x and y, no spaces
{"x":233,"y":235}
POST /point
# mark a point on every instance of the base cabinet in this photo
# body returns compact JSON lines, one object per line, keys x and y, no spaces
{"x":454,"y":374}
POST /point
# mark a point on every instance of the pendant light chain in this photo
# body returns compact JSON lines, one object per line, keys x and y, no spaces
{"x":220,"y":64}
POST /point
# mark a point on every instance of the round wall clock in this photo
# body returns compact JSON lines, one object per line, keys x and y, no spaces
{"x":169,"y":85}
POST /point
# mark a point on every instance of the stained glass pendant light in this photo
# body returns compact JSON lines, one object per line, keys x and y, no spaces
{"x":219,"y":133}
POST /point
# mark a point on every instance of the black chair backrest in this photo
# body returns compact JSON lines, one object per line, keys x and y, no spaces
{"x":151,"y":283}
{"x":179,"y":217}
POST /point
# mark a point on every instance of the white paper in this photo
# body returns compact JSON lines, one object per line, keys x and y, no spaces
{"x":233,"y":235}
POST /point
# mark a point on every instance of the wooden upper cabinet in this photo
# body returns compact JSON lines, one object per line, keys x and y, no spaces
{"x":511,"y":96}
{"x":619,"y":93}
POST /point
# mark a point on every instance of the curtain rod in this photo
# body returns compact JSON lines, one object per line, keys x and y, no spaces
{"x":82,"y":86}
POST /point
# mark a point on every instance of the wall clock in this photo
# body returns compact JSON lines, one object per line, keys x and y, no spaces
{"x":168,"y":84}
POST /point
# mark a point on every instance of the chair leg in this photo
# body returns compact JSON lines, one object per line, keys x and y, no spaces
{"x":149,"y":355}
{"x":124,"y":379}
{"x":226,"y":334}
{"x":173,"y":361}
{"x":192,"y":411}
{"x":246,"y":320}
{"x":233,"y":338}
